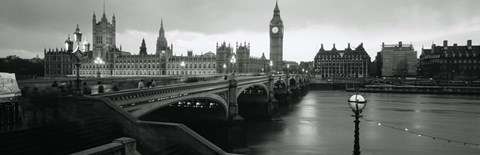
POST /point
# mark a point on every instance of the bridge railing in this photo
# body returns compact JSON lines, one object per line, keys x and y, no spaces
{"x":126,"y":96}
{"x":152,"y":136}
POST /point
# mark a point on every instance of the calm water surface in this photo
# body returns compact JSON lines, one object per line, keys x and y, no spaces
{"x":321,"y":123}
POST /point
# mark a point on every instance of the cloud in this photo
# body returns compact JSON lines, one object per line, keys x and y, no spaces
{"x":198,"y":24}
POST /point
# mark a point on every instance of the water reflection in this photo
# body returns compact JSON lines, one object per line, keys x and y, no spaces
{"x":321,"y":123}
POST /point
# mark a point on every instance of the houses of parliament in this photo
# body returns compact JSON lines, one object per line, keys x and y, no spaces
{"x":103,"y":58}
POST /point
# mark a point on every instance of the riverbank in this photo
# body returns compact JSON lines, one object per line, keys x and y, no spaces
{"x":460,"y":90}
{"x":406,"y":89}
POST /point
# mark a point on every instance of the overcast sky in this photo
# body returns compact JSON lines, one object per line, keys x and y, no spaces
{"x":29,"y":26}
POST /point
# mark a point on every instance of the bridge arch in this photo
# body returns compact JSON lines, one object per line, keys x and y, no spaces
{"x":155,"y":106}
{"x":293,"y":81}
{"x":240,"y":91}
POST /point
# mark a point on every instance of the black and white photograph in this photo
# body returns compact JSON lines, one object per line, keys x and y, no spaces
{"x":226,"y":77}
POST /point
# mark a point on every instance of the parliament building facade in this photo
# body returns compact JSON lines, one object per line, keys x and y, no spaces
{"x":103,"y":58}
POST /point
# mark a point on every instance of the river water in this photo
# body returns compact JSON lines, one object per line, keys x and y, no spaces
{"x":321,"y":123}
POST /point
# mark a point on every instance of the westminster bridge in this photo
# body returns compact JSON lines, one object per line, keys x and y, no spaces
{"x":204,"y":117}
{"x":214,"y":109}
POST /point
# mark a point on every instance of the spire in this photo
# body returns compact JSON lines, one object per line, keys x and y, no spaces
{"x":103,"y":6}
{"x":162,"y":31}
{"x":321,"y":47}
{"x":276,"y":15}
{"x":104,"y":17}
{"x":94,"y":18}
{"x":143,"y":48}
{"x":276,"y":10}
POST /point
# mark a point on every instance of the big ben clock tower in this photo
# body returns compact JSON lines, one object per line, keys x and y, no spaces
{"x":276,"y":39}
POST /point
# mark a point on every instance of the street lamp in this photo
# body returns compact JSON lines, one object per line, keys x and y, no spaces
{"x":163,"y":69}
{"x":225,"y":70}
{"x":288,"y":68}
{"x":182,"y":64}
{"x":233,"y":61}
{"x":357,"y":103}
{"x":98,"y":61}
{"x":270,"y":68}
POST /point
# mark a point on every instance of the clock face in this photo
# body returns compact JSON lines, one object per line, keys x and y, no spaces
{"x":275,"y":29}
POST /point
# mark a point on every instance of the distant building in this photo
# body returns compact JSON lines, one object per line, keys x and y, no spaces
{"x":292,"y":67}
{"x":194,"y":64}
{"x":23,"y":68}
{"x":307,"y":66}
{"x":348,"y":63}
{"x":376,"y":66}
{"x":276,"y":39}
{"x":11,"y":58}
{"x":398,"y":60}
{"x":224,"y":55}
{"x":247,"y":63}
{"x":59,"y":62}
{"x":104,"y":38}
{"x":36,"y":59}
{"x":120,"y":63}
{"x":162,"y":44}
{"x":451,"y":62}
{"x":244,"y":63}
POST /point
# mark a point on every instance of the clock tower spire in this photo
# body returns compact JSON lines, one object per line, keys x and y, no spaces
{"x":276,"y":39}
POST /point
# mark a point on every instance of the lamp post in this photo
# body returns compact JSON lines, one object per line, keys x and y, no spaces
{"x":270,"y":67}
{"x":163,"y":70}
{"x":288,"y":69}
{"x":233,"y":61}
{"x":182,"y":64}
{"x":99,"y":62}
{"x":357,"y":103}
{"x":225,"y":71}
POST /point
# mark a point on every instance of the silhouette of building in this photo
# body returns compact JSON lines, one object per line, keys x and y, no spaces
{"x":276,"y":39}
{"x":398,"y":60}
{"x":376,"y":66}
{"x":60,"y":62}
{"x":117,"y":62}
{"x":306,"y":66}
{"x":450,"y":62}
{"x":162,"y":44}
{"x":23,"y":68}
{"x":346,"y":63}
{"x":224,"y":55}
{"x":244,"y":62}
{"x":104,"y":38}
{"x":194,"y":64}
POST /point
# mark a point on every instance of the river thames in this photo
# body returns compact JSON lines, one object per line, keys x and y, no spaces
{"x":321,"y":123}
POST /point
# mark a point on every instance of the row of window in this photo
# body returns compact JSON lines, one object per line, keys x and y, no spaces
{"x":132,"y":72}
{"x":460,"y":55}
{"x":340,"y":62}
{"x":191,"y":66}
{"x":338,"y":56}
{"x":459,"y":61}
{"x":155,"y":59}
{"x":461,"y":68}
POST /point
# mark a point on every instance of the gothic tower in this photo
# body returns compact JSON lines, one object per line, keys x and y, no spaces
{"x":276,"y":39}
{"x":224,"y":53}
{"x":162,"y":44}
{"x":243,"y":57}
{"x":103,"y":37}
{"x":143,"y":48}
